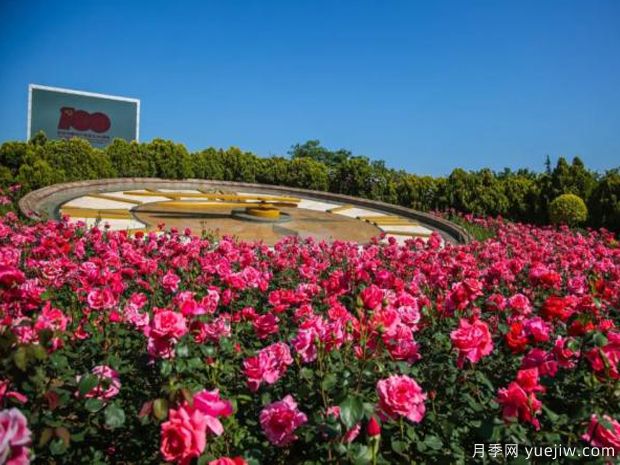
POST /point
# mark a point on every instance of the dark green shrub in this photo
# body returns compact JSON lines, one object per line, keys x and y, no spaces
{"x":208,"y":164}
{"x":604,"y":203}
{"x":307,"y":173}
{"x":170,"y":160}
{"x":39,"y":174}
{"x":76,"y":158}
{"x":130,"y":159}
{"x":568,"y":209}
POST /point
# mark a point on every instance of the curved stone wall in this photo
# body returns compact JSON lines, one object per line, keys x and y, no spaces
{"x":44,"y":202}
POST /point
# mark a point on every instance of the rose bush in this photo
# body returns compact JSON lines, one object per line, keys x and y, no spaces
{"x":170,"y":347}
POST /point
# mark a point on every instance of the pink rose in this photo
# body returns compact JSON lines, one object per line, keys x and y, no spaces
{"x":603,"y":434}
{"x":372,"y":297}
{"x":279,"y":421}
{"x":15,"y":437}
{"x":268,"y":365}
{"x":210,"y":301}
{"x":183,"y":436}
{"x":170,"y":282}
{"x":6,"y":394}
{"x":229,"y":461}
{"x":101,"y":299}
{"x":399,"y":395}
{"x":168,"y":324}
{"x":212,"y":405}
{"x":304,"y":344}
{"x":473,"y":340}
{"x":10,"y":276}
{"x":520,"y":304}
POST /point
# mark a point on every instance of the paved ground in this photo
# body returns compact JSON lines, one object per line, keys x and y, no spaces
{"x":320,"y":219}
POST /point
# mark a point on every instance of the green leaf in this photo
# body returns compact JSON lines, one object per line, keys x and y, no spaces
{"x":114,"y":416}
{"x":166,"y":368}
{"x":20,"y":357}
{"x":93,"y":405}
{"x":550,"y":413}
{"x":181,"y":351}
{"x":329,"y":381}
{"x":160,"y":409}
{"x":400,"y":447}
{"x":87,"y":383}
{"x":351,"y":411}
{"x":433,"y":442}
{"x":58,"y":447}
{"x":38,"y":352}
{"x":362,"y":456}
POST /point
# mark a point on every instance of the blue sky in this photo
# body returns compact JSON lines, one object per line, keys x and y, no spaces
{"x":426,"y":86}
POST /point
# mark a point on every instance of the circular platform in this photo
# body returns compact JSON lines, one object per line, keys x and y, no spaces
{"x":222,"y":207}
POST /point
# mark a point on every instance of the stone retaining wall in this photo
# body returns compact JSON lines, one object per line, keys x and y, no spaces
{"x":45,"y":201}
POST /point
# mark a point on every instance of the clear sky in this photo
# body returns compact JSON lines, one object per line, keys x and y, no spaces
{"x":425,"y":85}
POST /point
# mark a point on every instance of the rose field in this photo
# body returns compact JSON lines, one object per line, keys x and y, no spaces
{"x":175,"y":348}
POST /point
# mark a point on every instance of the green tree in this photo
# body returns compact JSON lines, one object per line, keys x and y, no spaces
{"x":308,"y":174}
{"x":13,"y":154}
{"x":171,"y":161}
{"x":39,"y":174}
{"x":568,"y":209}
{"x":208,"y":165}
{"x":130,"y":159}
{"x":604,"y":203}
{"x":313,"y":149}
{"x":76,"y":158}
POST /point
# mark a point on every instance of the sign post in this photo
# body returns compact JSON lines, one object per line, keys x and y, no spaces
{"x":98,"y":118}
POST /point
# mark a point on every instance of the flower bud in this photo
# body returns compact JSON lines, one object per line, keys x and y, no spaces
{"x":373,"y":428}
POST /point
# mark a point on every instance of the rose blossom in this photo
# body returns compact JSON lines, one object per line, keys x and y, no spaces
{"x":14,"y":437}
{"x":266,"y":324}
{"x":603,"y":434}
{"x":473,"y":340}
{"x":279,"y":421}
{"x":371,"y":297}
{"x":229,"y":461}
{"x":212,"y":405}
{"x":101,"y":299}
{"x":170,"y":282}
{"x":518,"y":404}
{"x":268,"y":365}
{"x":168,"y":324}
{"x":399,"y":395}
{"x":184,"y":435}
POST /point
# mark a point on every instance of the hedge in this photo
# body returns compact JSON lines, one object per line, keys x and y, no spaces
{"x":521,"y":195}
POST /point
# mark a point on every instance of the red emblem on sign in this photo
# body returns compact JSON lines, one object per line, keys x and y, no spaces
{"x":81,"y":120}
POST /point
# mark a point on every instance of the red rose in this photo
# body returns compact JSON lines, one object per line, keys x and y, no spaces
{"x":604,"y":433}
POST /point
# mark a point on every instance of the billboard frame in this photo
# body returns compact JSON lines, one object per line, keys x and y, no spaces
{"x":31,"y":87}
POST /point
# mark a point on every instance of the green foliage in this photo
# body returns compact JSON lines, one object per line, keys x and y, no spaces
{"x":131,"y":159}
{"x":313,"y":150}
{"x":307,"y":173}
{"x":568,"y":209}
{"x":39,"y":174}
{"x":170,"y":160}
{"x":604,"y":204}
{"x":521,"y":195}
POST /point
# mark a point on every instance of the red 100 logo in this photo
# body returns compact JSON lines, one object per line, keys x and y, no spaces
{"x":81,"y":120}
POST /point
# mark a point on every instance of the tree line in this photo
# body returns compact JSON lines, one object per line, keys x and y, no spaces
{"x":521,"y":195}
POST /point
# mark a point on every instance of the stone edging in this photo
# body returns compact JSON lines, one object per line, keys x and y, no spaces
{"x":35,"y":202}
